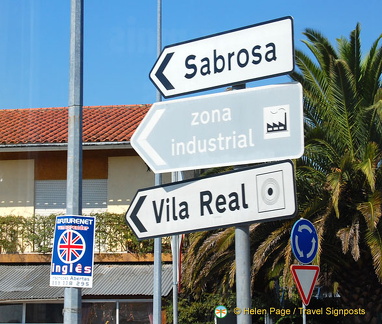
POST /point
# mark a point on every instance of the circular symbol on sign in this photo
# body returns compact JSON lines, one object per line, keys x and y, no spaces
{"x":71,"y":246}
{"x":304,"y":241}
{"x":270,"y":191}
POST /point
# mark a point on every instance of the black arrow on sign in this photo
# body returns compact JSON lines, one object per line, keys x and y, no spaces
{"x":134,"y":215}
{"x":161,"y":77}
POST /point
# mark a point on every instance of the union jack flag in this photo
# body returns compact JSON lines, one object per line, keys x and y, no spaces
{"x":71,"y":246}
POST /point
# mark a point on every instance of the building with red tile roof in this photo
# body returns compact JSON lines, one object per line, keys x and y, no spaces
{"x":47,"y":126}
{"x":33,"y":167}
{"x":33,"y":159}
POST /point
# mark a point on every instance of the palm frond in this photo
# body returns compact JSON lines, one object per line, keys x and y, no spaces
{"x":349,"y":238}
{"x":371,"y":210}
{"x":371,"y":68}
{"x":269,"y":245}
{"x":374,"y":241}
{"x":369,"y":163}
{"x":335,"y":183}
{"x":351,"y":52}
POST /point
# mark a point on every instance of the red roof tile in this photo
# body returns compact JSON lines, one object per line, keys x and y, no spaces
{"x":50,"y":125}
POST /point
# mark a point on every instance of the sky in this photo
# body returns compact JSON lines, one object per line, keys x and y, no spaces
{"x":120,"y":41}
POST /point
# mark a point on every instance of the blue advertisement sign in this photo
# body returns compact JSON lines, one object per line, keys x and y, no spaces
{"x":304,"y":241}
{"x":73,"y":252}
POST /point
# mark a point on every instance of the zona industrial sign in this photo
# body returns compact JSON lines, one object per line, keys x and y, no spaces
{"x":244,"y":196}
{"x":254,"y":125}
{"x":241,"y":55}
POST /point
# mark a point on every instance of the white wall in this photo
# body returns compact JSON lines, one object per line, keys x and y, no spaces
{"x":17,"y":187}
{"x":126,"y":175}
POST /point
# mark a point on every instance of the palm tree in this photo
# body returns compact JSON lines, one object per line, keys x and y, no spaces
{"x":343,"y":154}
{"x":339,"y":180}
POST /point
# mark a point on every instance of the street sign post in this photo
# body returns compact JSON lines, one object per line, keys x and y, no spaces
{"x":236,"y":56}
{"x":305,"y":277}
{"x":244,"y":196}
{"x":304,"y":241}
{"x":73,"y":252}
{"x":260,"y":124}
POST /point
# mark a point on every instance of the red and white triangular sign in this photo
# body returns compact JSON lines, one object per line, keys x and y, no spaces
{"x":305,"y":277}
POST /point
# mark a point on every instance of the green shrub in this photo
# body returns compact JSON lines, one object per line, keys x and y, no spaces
{"x":19,"y":234}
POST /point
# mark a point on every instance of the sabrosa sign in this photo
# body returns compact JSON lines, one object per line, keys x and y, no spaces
{"x":72,"y":255}
{"x":236,"y":56}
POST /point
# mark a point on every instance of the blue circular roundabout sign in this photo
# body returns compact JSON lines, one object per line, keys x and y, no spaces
{"x":304,"y":241}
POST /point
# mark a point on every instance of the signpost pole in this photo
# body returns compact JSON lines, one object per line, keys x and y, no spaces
{"x":303,"y":314}
{"x":157,"y":290}
{"x":157,"y":293}
{"x":242,"y":258}
{"x":175,"y":263}
{"x":178,"y":80}
{"x":72,"y":296}
{"x":243,"y":279}
{"x":176,"y":176}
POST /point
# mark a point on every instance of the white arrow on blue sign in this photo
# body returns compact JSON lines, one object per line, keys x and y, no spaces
{"x":304,"y":241}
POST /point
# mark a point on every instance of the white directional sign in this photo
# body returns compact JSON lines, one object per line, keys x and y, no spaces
{"x":265,"y":192}
{"x":260,"y":124}
{"x":236,"y":56}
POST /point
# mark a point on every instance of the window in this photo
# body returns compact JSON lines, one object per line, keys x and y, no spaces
{"x":11,"y":313}
{"x":134,"y":312}
{"x":98,"y":313}
{"x":44,"y":313}
{"x":137,"y":313}
{"x":51,"y":196}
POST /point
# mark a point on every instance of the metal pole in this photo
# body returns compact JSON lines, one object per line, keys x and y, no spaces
{"x":303,"y":313}
{"x":159,"y":37}
{"x":72,"y":296}
{"x":176,"y":176}
{"x":242,"y":258}
{"x":175,"y":263}
{"x":243,"y":278}
{"x":157,"y":293}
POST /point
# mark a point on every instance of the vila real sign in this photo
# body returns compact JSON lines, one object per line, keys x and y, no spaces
{"x":73,"y":252}
{"x":256,"y":194}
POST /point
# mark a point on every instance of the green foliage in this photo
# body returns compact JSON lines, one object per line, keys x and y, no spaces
{"x":40,"y":231}
{"x":113,"y":235}
{"x":200,"y":311}
{"x":35,"y":234}
{"x":12,"y":233}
